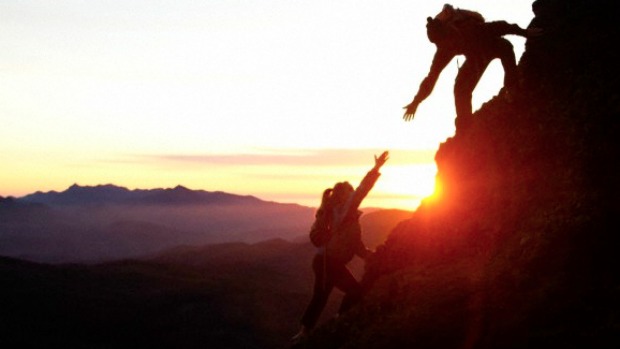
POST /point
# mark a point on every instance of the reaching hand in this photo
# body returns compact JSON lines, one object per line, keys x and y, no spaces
{"x":410,"y":111}
{"x":379,"y":161}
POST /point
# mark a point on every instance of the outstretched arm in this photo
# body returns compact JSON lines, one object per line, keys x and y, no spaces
{"x":367,"y":183}
{"x":380,"y":161}
{"x":440,"y":61}
{"x":360,"y":249}
{"x":501,"y":28}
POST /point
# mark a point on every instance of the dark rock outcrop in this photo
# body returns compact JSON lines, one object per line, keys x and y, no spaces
{"x":517,"y":251}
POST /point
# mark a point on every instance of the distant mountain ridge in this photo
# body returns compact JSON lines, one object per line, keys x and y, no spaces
{"x":112,"y":194}
{"x":108,"y":222}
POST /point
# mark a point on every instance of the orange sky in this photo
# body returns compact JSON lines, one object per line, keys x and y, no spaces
{"x":277,"y":99}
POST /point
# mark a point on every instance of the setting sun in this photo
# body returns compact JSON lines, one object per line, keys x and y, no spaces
{"x":404,"y":186}
{"x":226,"y":96}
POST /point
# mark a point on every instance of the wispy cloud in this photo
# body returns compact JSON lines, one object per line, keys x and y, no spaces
{"x":299,"y":157}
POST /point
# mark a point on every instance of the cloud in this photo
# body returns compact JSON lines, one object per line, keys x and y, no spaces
{"x":298,"y":157}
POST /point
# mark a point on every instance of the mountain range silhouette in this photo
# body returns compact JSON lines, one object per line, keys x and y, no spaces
{"x":517,"y":251}
{"x":108,"y":222}
{"x":111,"y":194}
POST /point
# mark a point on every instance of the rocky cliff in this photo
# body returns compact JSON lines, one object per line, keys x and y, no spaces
{"x":516,"y":250}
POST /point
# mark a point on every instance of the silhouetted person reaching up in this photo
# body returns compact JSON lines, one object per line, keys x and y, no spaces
{"x":462,"y":32}
{"x":329,"y":263}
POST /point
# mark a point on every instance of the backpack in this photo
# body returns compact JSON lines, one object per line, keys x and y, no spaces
{"x":456,"y":15}
{"x":321,"y":230}
{"x":451,"y":22}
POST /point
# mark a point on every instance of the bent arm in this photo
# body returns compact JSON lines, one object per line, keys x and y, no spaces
{"x":501,"y":28}
{"x":361,"y":250}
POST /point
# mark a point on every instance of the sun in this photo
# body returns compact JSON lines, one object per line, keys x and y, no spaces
{"x":405,"y":186}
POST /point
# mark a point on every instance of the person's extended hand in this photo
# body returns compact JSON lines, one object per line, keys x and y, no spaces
{"x":410,"y":111}
{"x":379,"y":161}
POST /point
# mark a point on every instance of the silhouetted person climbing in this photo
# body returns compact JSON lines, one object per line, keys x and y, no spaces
{"x":329,"y":263}
{"x":463,"y":32}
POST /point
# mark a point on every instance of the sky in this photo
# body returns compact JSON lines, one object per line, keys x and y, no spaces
{"x":279,"y":99}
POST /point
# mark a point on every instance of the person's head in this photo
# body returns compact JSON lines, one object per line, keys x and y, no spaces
{"x":435,"y":30}
{"x":341,"y":192}
{"x":326,"y":197}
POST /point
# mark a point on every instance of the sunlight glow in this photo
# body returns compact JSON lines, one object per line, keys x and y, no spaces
{"x":136,"y":93}
{"x":437,"y":192}
{"x":409,"y":180}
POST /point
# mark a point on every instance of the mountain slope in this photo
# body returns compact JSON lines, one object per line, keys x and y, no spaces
{"x":518,"y":251}
{"x":231,"y":295}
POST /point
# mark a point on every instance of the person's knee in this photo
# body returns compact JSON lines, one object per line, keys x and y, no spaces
{"x":505,"y":50}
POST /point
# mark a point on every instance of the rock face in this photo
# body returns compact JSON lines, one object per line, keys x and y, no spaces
{"x":516,"y":251}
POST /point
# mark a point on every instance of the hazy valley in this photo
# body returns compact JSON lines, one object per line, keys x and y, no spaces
{"x":234,"y":274}
{"x":102,"y":223}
